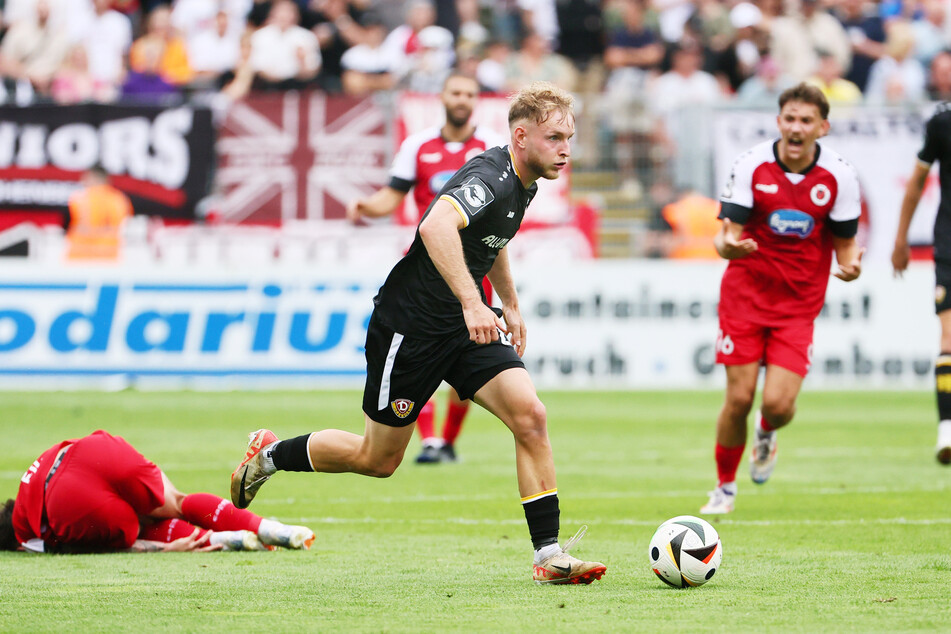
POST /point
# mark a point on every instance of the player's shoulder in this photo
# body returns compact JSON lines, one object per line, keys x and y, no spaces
{"x":941,"y":112}
{"x":835,"y":163}
{"x":493,"y":167}
{"x":416,"y":140}
{"x":490,"y":137}
{"x":755,"y":156}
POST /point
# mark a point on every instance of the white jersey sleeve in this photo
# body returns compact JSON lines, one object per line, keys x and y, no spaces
{"x":404,"y":163}
{"x":739,"y":186}
{"x":848,"y":201}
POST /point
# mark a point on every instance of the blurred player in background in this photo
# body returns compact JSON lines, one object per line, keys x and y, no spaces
{"x":425,"y":163}
{"x":788,"y":205}
{"x":431,"y":322}
{"x":97,"y":494}
{"x":937,"y":147}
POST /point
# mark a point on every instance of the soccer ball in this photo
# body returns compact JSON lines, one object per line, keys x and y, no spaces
{"x":685,"y":551}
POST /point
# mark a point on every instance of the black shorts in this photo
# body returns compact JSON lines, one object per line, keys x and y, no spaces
{"x":403,"y":372}
{"x":942,"y":284}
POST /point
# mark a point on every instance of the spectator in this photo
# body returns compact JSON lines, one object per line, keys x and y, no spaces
{"x":765,"y":87}
{"x":738,"y":61}
{"x":191,"y":17}
{"x":672,"y":15}
{"x":866,"y":32}
{"x":431,"y":64}
{"x":283,"y":54}
{"x":366,"y":67}
{"x":33,"y":49}
{"x":161,"y":51}
{"x":471,"y":31}
{"x":73,"y":83}
{"x":939,"y":77}
{"x":214,"y":51}
{"x":107,"y":40}
{"x":693,"y":224}
{"x":403,"y":42}
{"x":535,"y":62}
{"x":539,"y":16}
{"x":633,"y":55}
{"x":796,"y":37}
{"x":338,"y":25}
{"x":897,"y":77}
{"x":828,"y":78}
{"x":582,"y":41}
{"x":97,"y":213}
{"x":929,"y":30}
{"x":491,"y":70}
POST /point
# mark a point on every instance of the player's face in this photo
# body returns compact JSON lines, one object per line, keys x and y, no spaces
{"x":546,"y":144}
{"x":459,"y":98}
{"x":800,"y":125}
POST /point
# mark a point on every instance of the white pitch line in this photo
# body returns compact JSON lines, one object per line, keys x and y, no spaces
{"x":467,"y":521}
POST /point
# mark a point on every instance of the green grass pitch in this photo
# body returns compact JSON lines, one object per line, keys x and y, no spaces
{"x":851,"y":534}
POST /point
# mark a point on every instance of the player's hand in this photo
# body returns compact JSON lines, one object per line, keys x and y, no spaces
{"x":353,"y":211}
{"x":900,"y":257}
{"x":483,"y":324}
{"x":730,"y":247}
{"x":851,"y":270}
{"x":193,"y":544}
{"x":516,"y":328}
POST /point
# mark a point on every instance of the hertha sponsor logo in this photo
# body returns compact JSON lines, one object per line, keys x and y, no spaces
{"x":791,"y":222}
{"x":402,"y":407}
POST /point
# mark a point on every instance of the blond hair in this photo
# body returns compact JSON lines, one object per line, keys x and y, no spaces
{"x":538,"y":101}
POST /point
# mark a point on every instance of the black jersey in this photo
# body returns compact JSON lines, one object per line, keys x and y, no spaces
{"x":487,"y":193}
{"x":937,"y":147}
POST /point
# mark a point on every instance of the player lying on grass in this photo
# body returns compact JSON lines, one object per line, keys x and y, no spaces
{"x":98,"y":494}
{"x":431,"y":323}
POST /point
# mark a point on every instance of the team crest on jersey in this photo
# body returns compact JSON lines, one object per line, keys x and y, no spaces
{"x":473,"y":195}
{"x":402,"y":407}
{"x":791,"y":222}
{"x":820,"y":195}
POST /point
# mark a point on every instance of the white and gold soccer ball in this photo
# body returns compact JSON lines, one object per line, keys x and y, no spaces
{"x":685,"y":551}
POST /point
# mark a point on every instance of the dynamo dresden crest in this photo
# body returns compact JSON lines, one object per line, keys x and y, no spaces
{"x":402,"y":407}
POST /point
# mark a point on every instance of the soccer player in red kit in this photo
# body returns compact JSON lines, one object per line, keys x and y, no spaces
{"x":789,"y":204}
{"x":97,"y":494}
{"x":425,"y":162}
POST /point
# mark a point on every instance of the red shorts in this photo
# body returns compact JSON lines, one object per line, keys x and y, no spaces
{"x":101,"y":488}
{"x":789,"y":346}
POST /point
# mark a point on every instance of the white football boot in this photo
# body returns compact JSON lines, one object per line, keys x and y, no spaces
{"x":721,"y":501}
{"x":763,"y":456}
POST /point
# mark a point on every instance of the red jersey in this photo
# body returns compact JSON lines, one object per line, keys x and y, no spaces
{"x":793,"y":218}
{"x":425,"y":163}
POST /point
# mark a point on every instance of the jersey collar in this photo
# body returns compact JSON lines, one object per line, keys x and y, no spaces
{"x":783,"y":166}
{"x":512,"y":161}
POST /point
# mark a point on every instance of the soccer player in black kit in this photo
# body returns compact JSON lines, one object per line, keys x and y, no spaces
{"x":431,"y":323}
{"x":937,"y":147}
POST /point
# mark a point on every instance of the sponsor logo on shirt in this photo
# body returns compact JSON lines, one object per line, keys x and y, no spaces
{"x":473,"y":195}
{"x":438,"y":180}
{"x":767,"y":189}
{"x":791,"y":222}
{"x":495,"y":242}
{"x":431,"y":157}
{"x":402,"y":407}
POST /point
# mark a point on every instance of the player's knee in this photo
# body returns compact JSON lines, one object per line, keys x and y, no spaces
{"x":531,"y":423}
{"x":778,"y":411}
{"x":739,"y":402}
{"x":382,"y":468}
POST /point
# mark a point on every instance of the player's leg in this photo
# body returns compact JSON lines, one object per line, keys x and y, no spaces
{"x":731,"y":434}
{"x":942,"y":368}
{"x":455,"y":415}
{"x":510,"y":395}
{"x":788,"y":358}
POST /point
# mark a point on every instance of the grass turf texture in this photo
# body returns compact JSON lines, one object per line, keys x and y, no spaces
{"x":850,"y":534}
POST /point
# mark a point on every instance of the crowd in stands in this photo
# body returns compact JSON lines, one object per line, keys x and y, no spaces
{"x":644,"y":60}
{"x":646,"y":54}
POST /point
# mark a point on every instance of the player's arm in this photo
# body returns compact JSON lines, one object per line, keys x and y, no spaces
{"x":504,"y":285}
{"x":439,"y":231}
{"x":381,"y":203}
{"x":728,"y":243}
{"x":192,"y":543}
{"x":916,"y":185}
{"x":848,"y":254}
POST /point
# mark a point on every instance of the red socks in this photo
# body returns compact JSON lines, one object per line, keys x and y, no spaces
{"x":210,"y":511}
{"x":728,"y":460}
{"x":424,"y":423}
{"x":454,"y":418}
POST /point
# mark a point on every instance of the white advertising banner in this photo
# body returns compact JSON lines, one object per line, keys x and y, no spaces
{"x":601,"y":324}
{"x":882,"y":145}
